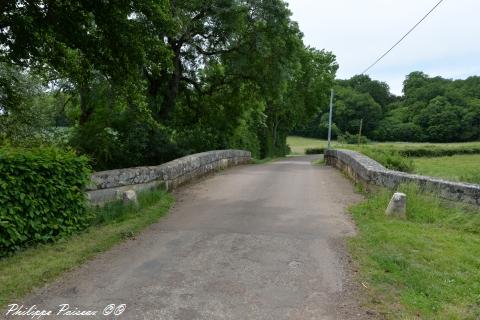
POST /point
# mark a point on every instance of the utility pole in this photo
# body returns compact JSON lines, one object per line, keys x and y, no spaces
{"x":330,"y":120}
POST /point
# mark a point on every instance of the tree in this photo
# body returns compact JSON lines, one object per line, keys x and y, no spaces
{"x":22,"y":113}
{"x":148,"y":80}
{"x":352,"y":107}
{"x":83,"y":40}
{"x":379,"y":91}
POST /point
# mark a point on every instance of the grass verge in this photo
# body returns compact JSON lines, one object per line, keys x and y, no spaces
{"x":425,"y":267}
{"x":319,"y":162}
{"x":36,"y":266}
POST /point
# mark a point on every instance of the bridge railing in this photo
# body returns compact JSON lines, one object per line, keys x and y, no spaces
{"x":364,"y":170}
{"x":109,"y":185}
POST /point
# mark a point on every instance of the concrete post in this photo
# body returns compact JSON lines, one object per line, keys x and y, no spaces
{"x":397,"y":206}
{"x":130,"y":196}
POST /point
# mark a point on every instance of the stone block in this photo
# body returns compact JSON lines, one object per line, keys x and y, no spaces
{"x":130,"y":196}
{"x":397,"y":206}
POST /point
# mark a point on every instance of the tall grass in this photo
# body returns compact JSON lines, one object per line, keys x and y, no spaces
{"x":117,"y":211}
{"x":391,"y":159}
{"x":425,"y":267}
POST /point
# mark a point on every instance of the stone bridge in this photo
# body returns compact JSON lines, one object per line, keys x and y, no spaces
{"x":251,"y":242}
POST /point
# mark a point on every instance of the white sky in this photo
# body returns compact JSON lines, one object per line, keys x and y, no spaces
{"x":447,"y":43}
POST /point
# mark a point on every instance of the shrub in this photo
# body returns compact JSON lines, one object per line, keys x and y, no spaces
{"x":349,"y":138}
{"x":41,"y":196}
{"x":435,"y":151}
{"x":391,"y":159}
{"x":315,"y":151}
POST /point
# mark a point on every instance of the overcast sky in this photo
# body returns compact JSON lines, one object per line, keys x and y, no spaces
{"x":358,"y":32}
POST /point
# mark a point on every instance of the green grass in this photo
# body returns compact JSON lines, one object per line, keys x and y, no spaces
{"x":389,"y":158}
{"x":464,"y":168}
{"x":461,"y":164}
{"x":406,"y":145}
{"x":298,"y":145}
{"x":36,"y":266}
{"x":425,"y":267}
{"x":319,"y":162}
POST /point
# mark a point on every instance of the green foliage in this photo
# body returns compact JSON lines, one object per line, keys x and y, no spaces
{"x":352,"y":107}
{"x":25,"y":113}
{"x":300,"y":144}
{"x":120,"y":135}
{"x":35,"y":266}
{"x":244,"y":136}
{"x":424,"y":267}
{"x":41,"y":196}
{"x":390,"y":129}
{"x":348,"y":138}
{"x":151,"y":80}
{"x":438,"y":151}
{"x":118,"y":211}
{"x":391,"y":159}
{"x":315,"y":150}
{"x":432,"y":109}
{"x":379,"y":91}
{"x":359,"y":98}
{"x":317,"y":128}
{"x":428,"y":149}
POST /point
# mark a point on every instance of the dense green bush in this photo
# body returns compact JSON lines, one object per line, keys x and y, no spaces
{"x":41,"y":196}
{"x":349,"y":138}
{"x":315,"y":151}
{"x":391,"y":159}
{"x":434,"y":151}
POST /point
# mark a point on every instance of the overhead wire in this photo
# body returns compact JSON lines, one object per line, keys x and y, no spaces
{"x":406,"y":35}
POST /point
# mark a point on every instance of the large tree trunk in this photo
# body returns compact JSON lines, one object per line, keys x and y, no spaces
{"x":173,"y":85}
{"x":164,"y":88}
{"x":86,"y":109}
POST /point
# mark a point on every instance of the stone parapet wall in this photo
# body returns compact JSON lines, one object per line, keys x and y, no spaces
{"x":107,"y":185}
{"x":362,"y":169}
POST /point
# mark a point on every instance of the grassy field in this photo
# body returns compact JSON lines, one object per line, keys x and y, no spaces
{"x":455,"y":168}
{"x":404,"y":145}
{"x":425,"y":267}
{"x":35,"y":266}
{"x":298,"y":145}
{"x":461,"y":164}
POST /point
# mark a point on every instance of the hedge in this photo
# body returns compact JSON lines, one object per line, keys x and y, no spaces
{"x":315,"y":151}
{"x":41,"y":196}
{"x":434,"y":151}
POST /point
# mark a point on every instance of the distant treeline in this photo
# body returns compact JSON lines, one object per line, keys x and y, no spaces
{"x":142,"y":82}
{"x":432,"y":109}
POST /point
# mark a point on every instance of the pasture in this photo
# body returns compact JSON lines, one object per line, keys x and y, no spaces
{"x":450,"y":161}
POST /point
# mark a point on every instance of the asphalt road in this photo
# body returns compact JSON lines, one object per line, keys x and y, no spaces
{"x":252,"y":242}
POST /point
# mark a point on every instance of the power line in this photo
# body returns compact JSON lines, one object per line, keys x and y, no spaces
{"x":406,"y":35}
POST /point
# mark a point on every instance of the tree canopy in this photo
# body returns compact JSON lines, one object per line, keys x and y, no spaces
{"x":432,"y":109}
{"x":143,"y":81}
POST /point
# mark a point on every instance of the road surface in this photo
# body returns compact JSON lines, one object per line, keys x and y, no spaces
{"x":252,"y":242}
